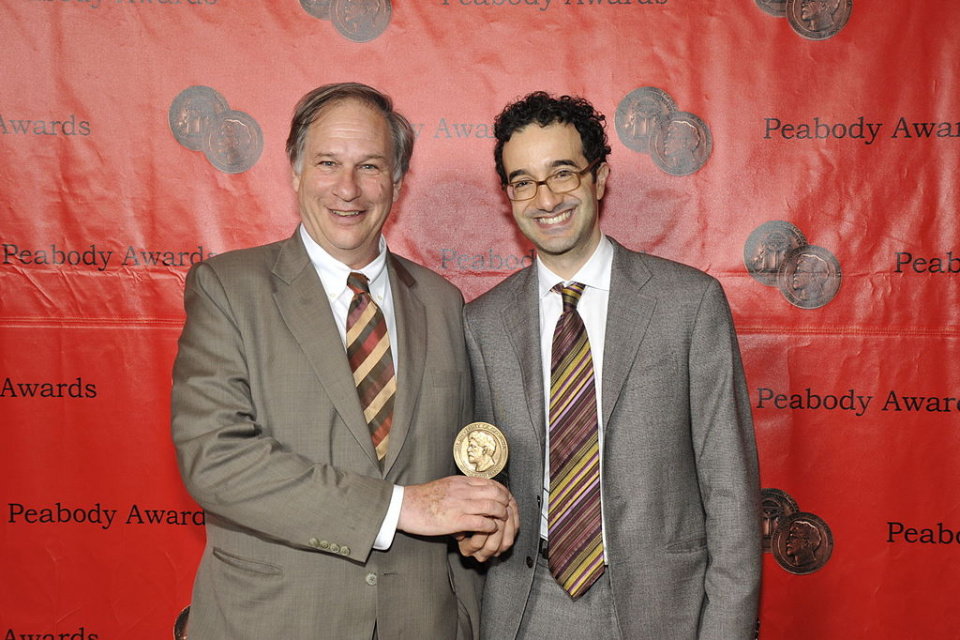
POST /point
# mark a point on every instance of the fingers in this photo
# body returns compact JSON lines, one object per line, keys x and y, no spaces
{"x":478,"y":524}
{"x":481,"y":546}
{"x":484,"y":546}
{"x":509,"y":528}
{"x":470,"y":545}
{"x":477,"y":496}
{"x":454,"y":504}
{"x":491,"y":546}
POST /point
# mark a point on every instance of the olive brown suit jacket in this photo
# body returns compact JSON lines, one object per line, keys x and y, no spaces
{"x":679,"y":464}
{"x":272,"y":443}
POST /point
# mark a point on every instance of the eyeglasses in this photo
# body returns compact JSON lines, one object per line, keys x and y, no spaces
{"x":560,"y":182}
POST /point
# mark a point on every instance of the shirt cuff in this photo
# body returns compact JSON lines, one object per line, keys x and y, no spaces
{"x":389,"y":527}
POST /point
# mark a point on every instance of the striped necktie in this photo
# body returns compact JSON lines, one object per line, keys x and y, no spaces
{"x":573,"y":518}
{"x":368,"y":350}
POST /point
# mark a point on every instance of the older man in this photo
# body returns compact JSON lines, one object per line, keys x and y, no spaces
{"x":319,"y":386}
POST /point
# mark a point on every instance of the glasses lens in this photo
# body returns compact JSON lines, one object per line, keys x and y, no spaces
{"x":522,"y":190}
{"x":563,"y":181}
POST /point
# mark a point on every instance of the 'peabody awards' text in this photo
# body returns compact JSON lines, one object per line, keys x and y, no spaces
{"x":853,"y":402}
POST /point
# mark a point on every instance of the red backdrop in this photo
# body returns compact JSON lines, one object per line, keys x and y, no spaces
{"x":104,"y":206}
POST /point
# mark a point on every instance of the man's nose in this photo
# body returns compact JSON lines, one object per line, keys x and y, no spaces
{"x":346,"y":187}
{"x":546,"y":199}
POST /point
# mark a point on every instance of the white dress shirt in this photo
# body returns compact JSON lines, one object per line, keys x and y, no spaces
{"x":595,"y":275}
{"x":333,"y":274}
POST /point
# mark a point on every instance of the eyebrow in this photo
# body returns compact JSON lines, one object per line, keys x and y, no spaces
{"x":331,"y":154}
{"x":556,"y":164}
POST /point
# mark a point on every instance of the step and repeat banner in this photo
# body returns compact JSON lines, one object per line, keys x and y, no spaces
{"x":804,"y":152}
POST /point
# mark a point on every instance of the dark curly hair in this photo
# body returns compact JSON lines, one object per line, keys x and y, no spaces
{"x":543,"y":109}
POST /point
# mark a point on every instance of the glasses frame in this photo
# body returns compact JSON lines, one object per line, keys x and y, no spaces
{"x":544,"y":183}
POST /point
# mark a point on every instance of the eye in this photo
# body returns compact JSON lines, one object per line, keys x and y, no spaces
{"x":369,"y":168}
{"x":522,"y":184}
{"x":563,"y":174}
{"x":326,"y":165}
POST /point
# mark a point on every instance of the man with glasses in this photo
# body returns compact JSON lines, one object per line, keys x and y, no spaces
{"x":617,"y":380}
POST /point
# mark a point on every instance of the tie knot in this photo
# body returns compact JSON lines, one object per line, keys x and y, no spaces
{"x":570,"y":294}
{"x":358,"y":282}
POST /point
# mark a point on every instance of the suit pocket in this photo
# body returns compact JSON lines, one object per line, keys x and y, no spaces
{"x":247,"y":565}
{"x":687,"y":546}
{"x":249,"y":590}
{"x":659,"y":375}
{"x":444,"y":392}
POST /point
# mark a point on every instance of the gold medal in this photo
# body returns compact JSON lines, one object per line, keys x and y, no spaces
{"x":480,"y":450}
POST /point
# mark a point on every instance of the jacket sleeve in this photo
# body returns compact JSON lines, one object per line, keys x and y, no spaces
{"x":231,"y":465}
{"x":727,"y":469}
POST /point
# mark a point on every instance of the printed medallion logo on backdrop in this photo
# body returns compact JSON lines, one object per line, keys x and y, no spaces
{"x":774,"y":506}
{"x":776,"y":254}
{"x":801,"y":542}
{"x":647,"y":121}
{"x":682,"y":145}
{"x":234,"y":142}
{"x":818,"y":19}
{"x":317,"y":8}
{"x":640,"y":115}
{"x":809,"y":277}
{"x":776,"y":8}
{"x":191,"y":114}
{"x":201,"y":120}
{"x":811,"y":19}
{"x":767,"y":247}
{"x":356,"y":20}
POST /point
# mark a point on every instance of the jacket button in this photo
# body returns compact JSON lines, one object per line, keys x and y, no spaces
{"x":371,"y":579}
{"x":529,"y":561}
{"x":313,"y":542}
{"x":324,"y":544}
{"x":344,"y":551}
{"x":335,"y":548}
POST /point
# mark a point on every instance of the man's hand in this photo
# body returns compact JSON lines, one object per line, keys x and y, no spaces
{"x":484,"y":546}
{"x":453,"y":505}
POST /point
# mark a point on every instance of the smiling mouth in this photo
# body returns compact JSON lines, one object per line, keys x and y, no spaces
{"x":345,"y":214}
{"x":563,"y":216}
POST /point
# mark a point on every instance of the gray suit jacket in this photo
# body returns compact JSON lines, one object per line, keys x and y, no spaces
{"x":680,"y":480}
{"x":272,"y":443}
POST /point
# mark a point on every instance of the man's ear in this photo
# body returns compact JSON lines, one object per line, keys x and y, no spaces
{"x":295,"y":178}
{"x":602,"y":173}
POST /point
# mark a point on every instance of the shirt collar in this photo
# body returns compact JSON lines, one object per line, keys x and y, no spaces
{"x":333,"y":273}
{"x":594,"y":273}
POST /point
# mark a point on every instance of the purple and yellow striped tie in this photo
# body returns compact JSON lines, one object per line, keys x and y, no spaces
{"x":368,"y":350}
{"x":573,"y":518}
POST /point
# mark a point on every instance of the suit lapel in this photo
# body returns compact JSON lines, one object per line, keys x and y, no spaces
{"x":628,"y":314}
{"x":410,"y":354}
{"x":303,"y":305}
{"x":522,"y":324}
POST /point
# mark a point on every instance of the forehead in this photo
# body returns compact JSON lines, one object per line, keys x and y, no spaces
{"x":349,"y":125}
{"x":535,"y":148}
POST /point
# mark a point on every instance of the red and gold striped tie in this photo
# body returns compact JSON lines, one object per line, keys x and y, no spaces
{"x":573,"y":518}
{"x":368,"y":349}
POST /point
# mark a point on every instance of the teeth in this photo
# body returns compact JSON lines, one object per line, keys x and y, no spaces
{"x":345,"y":214}
{"x":560,"y":217}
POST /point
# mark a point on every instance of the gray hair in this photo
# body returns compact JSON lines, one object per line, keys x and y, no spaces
{"x":313,"y":103}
